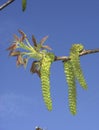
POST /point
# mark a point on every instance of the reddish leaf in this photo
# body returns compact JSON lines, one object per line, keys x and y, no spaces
{"x":12,"y":47}
{"x":19,"y":60}
{"x":15,"y":53}
{"x":46,"y":47}
{"x":34,"y":41}
{"x":23,"y":35}
{"x":43,"y":40}
{"x":34,"y":68}
{"x":25,"y":60}
{"x":16,"y":38}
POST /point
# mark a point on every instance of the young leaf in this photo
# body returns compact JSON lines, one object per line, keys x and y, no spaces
{"x":43,"y":40}
{"x":24,"y":3}
{"x":34,"y":41}
{"x":35,"y":68}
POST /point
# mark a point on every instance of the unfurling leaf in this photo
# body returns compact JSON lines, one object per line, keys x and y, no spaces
{"x":23,"y":35}
{"x":43,"y":40}
{"x":34,"y":41}
{"x":19,"y":60}
{"x":12,"y":47}
{"x":46,"y":47}
{"x":25,"y":61}
{"x":35,"y":68}
{"x":15,"y":53}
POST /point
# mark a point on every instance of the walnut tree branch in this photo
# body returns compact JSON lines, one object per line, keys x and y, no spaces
{"x":84,"y":52}
{"x":6,"y":4}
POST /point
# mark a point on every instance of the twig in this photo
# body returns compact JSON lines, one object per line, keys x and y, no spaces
{"x":38,"y":128}
{"x":84,"y":52}
{"x":6,"y":4}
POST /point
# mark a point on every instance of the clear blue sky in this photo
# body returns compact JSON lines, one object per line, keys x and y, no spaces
{"x":66,"y":22}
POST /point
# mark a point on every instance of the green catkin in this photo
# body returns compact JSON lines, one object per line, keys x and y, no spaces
{"x":75,"y":60}
{"x":70,"y":78}
{"x":45,"y":79}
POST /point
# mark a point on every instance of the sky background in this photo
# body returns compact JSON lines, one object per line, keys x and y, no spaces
{"x":65,"y":22}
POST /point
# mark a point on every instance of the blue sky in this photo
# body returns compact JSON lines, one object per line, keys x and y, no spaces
{"x":65,"y":22}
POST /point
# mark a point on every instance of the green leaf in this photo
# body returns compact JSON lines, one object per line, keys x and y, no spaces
{"x":24,"y":3}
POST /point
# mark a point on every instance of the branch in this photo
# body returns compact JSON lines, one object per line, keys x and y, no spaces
{"x":6,"y":4}
{"x":38,"y":128}
{"x":38,"y":47}
{"x":84,"y":52}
